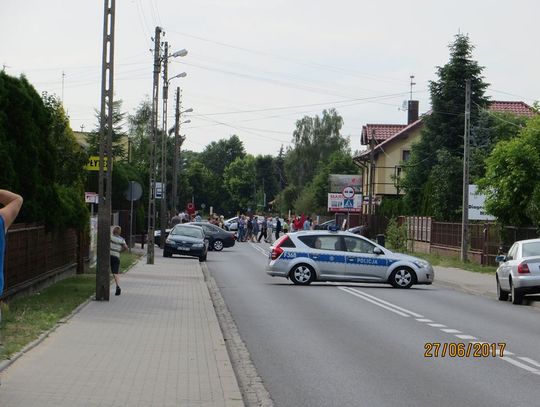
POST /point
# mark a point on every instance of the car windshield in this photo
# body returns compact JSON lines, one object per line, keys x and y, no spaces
{"x":187,"y":231}
{"x":531,"y":249}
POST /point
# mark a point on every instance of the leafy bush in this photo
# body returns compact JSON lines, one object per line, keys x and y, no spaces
{"x":396,"y":236}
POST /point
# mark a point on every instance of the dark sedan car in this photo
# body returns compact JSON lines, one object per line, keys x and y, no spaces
{"x":217,"y":237}
{"x":187,"y":240}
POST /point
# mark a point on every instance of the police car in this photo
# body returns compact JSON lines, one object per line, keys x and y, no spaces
{"x":319,"y":255}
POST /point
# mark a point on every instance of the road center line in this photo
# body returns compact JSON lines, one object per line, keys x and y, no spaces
{"x":529,"y":360}
{"x":451,"y":331}
{"x":458,"y":334}
{"x":259,"y":249}
{"x":414,"y":314}
{"x":467,"y":337}
{"x":519,"y":364}
{"x":359,"y":295}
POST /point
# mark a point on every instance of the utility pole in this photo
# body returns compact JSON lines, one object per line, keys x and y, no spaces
{"x":164,"y":139}
{"x":465,"y":206}
{"x":371,"y":171}
{"x":152,"y":170}
{"x":105,"y":156}
{"x":177,"y":145}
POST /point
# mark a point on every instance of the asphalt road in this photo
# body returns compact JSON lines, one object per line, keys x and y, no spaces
{"x":364,"y":345}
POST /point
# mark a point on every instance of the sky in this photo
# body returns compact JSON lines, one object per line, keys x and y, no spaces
{"x":254,"y":68}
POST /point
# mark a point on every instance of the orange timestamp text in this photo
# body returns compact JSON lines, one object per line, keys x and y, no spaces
{"x":464,"y":350}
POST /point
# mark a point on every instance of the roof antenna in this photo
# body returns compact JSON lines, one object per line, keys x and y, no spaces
{"x":412,"y":84}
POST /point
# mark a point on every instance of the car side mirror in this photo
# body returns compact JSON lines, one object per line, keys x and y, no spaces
{"x":377,"y":250}
{"x":500,"y":259}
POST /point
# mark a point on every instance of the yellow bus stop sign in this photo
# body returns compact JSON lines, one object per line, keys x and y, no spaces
{"x":93,"y":163}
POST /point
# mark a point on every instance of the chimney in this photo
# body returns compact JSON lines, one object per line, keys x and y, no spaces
{"x":412,"y":111}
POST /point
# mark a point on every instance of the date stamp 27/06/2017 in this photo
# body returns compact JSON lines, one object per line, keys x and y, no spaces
{"x":463,"y":350}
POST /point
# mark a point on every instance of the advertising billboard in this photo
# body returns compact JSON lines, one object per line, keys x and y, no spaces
{"x":338,"y":182}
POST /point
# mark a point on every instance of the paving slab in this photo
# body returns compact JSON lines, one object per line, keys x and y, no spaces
{"x":157,"y":344}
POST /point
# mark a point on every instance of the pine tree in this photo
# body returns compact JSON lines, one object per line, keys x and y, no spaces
{"x":433,"y":178}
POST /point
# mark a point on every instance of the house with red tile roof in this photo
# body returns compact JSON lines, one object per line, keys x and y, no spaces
{"x":391,"y":144}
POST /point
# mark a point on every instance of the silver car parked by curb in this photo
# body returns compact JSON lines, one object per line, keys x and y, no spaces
{"x":519,"y":271}
{"x":320,"y":255}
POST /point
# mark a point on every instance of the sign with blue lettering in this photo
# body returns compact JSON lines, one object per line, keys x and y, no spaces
{"x":348,"y":203}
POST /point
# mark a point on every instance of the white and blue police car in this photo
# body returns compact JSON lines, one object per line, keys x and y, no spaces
{"x":319,"y":255}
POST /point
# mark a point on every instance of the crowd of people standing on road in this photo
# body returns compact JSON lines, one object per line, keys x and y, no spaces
{"x":254,"y":228}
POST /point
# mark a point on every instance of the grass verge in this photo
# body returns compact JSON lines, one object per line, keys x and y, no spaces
{"x":25,"y":318}
{"x":445,"y":261}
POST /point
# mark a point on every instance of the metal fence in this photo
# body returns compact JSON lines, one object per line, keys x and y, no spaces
{"x":34,"y":254}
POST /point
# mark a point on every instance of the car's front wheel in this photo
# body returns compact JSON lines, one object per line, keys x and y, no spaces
{"x":402,"y":277}
{"x":501,"y":294}
{"x":166,"y":253}
{"x":302,"y":274}
{"x":517,"y":294}
{"x":217,"y":245}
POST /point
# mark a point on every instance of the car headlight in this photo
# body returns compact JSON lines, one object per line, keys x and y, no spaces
{"x":198,"y":245}
{"x":421,"y":263}
{"x":169,"y":241}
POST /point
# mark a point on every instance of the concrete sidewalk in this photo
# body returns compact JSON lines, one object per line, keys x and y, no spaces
{"x":158,"y":344}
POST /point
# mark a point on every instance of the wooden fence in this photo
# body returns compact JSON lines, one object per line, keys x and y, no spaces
{"x":486,"y":240}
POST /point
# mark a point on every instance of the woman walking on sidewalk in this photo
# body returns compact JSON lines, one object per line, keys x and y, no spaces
{"x":118,"y":244}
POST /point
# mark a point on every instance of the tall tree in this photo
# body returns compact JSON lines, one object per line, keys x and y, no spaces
{"x":216,"y":157}
{"x":118,"y":134}
{"x":490,"y":128}
{"x":70,"y":159}
{"x":239,"y":178}
{"x":219,"y":154}
{"x":512,"y":180}
{"x":39,"y":157}
{"x":443,"y":130}
{"x":266,"y":177}
{"x":280,"y":168}
{"x":139,"y":134}
{"x":315,"y":139}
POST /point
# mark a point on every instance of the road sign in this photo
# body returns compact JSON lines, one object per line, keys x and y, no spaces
{"x":348,"y":192}
{"x":134,"y":191}
{"x":158,"y":191}
{"x":93,"y":163}
{"x":91,"y":197}
{"x":336,"y":203}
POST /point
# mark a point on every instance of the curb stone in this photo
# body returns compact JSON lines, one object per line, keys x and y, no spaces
{"x":251,"y":384}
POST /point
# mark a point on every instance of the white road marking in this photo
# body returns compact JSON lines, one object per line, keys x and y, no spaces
{"x":414,"y":314}
{"x":451,"y":331}
{"x":259,"y":249}
{"x":406,"y":313}
{"x":528,"y":360}
{"x":359,"y":295}
{"x":466,"y":337}
{"x":519,"y":364}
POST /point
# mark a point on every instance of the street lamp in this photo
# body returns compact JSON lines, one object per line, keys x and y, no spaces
{"x":181,"y":53}
{"x":180,"y":75}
